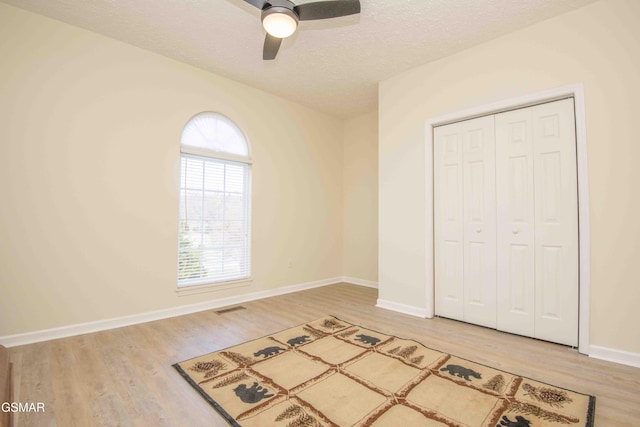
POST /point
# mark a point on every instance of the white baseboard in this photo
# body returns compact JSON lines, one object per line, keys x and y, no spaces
{"x":613,"y":355}
{"x":118,"y":322}
{"x":361,"y":282}
{"x":402,"y":308}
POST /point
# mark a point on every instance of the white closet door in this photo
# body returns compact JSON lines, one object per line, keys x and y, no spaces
{"x":479,"y":221}
{"x":556,"y":222}
{"x":465,"y":229}
{"x":506,"y":222}
{"x":537,"y":247}
{"x":448,"y":221}
{"x":516,"y":222}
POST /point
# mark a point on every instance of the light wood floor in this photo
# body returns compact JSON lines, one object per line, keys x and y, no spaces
{"x":123,"y":377}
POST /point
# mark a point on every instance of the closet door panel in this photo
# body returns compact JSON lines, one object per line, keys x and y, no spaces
{"x":479,"y":221}
{"x":515,"y":222}
{"x":448,"y":221}
{"x":556,"y":222}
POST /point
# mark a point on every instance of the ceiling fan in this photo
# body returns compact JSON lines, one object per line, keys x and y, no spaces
{"x":280,"y":18}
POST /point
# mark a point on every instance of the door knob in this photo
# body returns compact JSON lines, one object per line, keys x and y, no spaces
{"x":516,"y":231}
{"x":478,"y":230}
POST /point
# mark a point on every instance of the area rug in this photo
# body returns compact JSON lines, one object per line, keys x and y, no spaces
{"x":332,"y":373}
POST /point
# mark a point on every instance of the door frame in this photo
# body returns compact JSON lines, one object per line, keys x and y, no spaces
{"x":584,"y":240}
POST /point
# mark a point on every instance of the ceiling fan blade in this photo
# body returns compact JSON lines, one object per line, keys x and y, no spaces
{"x":271,"y":47}
{"x":258,"y":3}
{"x":327,"y":9}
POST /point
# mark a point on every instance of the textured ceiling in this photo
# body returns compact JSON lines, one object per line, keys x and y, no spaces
{"x":330,"y":65}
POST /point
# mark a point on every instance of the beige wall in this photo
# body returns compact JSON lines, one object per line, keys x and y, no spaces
{"x":360,"y":241}
{"x":89,"y":162}
{"x":596,"y":45}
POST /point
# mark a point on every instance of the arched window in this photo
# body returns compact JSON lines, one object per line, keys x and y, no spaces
{"x":214,"y":214}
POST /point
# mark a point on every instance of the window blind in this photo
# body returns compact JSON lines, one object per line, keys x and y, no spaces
{"x":213,"y":221}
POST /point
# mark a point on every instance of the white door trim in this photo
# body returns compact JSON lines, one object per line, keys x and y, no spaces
{"x":577,"y":92}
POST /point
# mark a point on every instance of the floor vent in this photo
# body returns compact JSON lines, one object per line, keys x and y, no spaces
{"x":230,"y":309}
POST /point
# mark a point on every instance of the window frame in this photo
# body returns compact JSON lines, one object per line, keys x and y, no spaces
{"x":196,"y":285}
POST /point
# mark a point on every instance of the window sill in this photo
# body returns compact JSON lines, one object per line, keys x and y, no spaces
{"x":210,"y":287}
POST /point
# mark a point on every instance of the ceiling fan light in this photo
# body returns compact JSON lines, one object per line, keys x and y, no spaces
{"x":280,"y":22}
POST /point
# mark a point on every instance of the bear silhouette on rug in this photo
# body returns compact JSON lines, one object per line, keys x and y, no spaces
{"x":367,"y":339}
{"x":462,"y":372}
{"x":519,"y":422}
{"x":298,"y":340}
{"x":253,"y":394}
{"x":269,"y":351}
